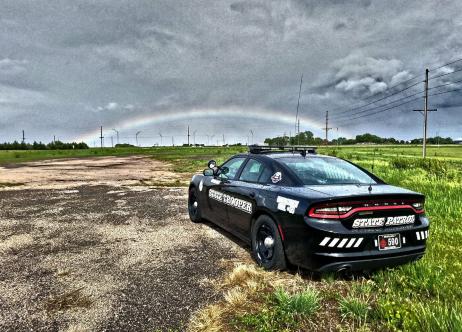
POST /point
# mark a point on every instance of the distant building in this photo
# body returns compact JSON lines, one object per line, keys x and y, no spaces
{"x":458,"y":141}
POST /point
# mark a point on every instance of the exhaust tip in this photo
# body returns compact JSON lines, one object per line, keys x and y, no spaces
{"x":345,"y":271}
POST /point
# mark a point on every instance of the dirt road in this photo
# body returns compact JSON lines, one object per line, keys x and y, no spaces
{"x":85,"y":247}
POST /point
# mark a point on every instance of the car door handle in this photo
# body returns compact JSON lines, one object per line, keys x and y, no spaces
{"x":252,"y":194}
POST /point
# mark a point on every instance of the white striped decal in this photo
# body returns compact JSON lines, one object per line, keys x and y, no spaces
{"x":376,"y":243}
{"x":418,"y":235}
{"x":422,"y":235}
{"x":334,"y":242}
{"x":342,"y":243}
{"x":404,"y":240}
{"x":351,"y":242}
{"x":426,"y":234}
{"x":324,"y":242}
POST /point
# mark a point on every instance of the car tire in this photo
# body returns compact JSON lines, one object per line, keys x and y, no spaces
{"x":267,"y":247}
{"x":193,"y":206}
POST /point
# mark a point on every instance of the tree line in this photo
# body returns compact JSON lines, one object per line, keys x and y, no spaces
{"x":55,"y":145}
{"x":307,"y":138}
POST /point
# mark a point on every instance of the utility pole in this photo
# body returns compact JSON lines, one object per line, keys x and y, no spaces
{"x":251,"y":133}
{"x":337,"y":137}
{"x":117,"y":132}
{"x":425,"y":115}
{"x":327,"y":127}
{"x":136,"y":137}
{"x":224,"y":139}
{"x":160,"y":134}
{"x":23,"y":137}
{"x":188,"y":135}
{"x":112,"y":142}
{"x":101,"y":136}
{"x":298,"y":131}
{"x":54,"y":139}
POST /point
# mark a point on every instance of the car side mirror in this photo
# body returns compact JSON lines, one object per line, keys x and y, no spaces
{"x":208,"y":172}
{"x":212,"y":164}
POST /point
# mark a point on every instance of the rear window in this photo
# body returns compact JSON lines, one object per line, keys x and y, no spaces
{"x":319,"y":170}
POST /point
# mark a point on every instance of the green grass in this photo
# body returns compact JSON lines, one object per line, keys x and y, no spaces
{"x":190,"y":159}
{"x":426,"y":295}
{"x":281,"y":311}
{"x":354,"y":307}
{"x":183,"y":159}
{"x":421,"y":296}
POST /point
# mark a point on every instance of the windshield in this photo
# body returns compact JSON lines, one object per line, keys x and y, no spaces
{"x":321,"y":170}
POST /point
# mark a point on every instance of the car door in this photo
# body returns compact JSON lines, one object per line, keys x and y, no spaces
{"x":245,"y":191}
{"x":216,"y":200}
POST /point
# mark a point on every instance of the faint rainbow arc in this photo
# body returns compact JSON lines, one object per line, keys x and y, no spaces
{"x":168,"y":116}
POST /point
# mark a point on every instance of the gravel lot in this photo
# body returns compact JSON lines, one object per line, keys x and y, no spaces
{"x":88,"y":248}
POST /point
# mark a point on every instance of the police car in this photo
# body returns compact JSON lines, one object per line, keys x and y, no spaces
{"x":318,"y":212}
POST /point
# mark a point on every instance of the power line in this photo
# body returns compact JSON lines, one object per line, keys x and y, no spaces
{"x":445,"y":74}
{"x":344,"y":114}
{"x":446,"y":64}
{"x":380,"y":99}
{"x":386,"y":109}
{"x":408,"y":87}
{"x":439,"y":86}
{"x":379,"y":106}
{"x":441,"y":93}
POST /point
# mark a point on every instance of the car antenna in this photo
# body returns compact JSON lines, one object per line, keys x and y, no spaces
{"x":373,"y":162}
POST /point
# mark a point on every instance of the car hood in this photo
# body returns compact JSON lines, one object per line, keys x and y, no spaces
{"x":358,"y":190}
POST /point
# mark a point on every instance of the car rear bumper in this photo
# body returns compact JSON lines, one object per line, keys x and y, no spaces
{"x":323,"y":263}
{"x":325,"y":247}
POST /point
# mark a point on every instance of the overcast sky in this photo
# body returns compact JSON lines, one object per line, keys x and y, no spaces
{"x":223,"y":67}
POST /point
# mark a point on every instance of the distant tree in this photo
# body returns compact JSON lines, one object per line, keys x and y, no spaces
{"x":124,"y":145}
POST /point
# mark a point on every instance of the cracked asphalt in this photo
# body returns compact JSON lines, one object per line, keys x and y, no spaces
{"x":104,"y":257}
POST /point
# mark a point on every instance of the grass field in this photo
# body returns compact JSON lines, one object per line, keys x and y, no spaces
{"x":422,"y":296}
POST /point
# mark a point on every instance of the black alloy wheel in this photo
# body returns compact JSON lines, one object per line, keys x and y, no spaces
{"x":267,"y":246}
{"x":193,"y":206}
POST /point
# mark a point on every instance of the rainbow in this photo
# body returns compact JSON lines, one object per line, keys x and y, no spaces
{"x":256,"y":114}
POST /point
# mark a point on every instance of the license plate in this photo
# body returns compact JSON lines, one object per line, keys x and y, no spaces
{"x":389,"y":241}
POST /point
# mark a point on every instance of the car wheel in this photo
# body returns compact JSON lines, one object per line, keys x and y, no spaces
{"x":267,"y":248}
{"x":193,"y":206}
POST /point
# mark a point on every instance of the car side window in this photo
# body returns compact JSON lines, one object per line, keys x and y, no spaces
{"x":265,"y":175}
{"x":252,"y":171}
{"x":233,"y":166}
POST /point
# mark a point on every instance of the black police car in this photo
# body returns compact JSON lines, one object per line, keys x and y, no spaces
{"x":317,"y":212}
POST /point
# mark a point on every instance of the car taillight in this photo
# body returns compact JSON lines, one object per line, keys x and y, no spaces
{"x":329,"y":211}
{"x":418,"y":206}
{"x":343,"y":210}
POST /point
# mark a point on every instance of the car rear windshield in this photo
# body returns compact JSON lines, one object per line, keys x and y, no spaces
{"x":322,"y":171}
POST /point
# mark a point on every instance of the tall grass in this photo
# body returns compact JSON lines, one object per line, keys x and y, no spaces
{"x":421,"y":296}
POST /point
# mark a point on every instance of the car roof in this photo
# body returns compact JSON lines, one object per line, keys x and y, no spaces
{"x":295,"y":155}
{"x":278,"y":155}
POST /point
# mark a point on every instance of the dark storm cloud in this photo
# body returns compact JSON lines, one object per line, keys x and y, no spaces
{"x":73,"y":65}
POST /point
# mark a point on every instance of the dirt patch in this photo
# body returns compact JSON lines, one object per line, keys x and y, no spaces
{"x":105,"y":255}
{"x":68,"y":173}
